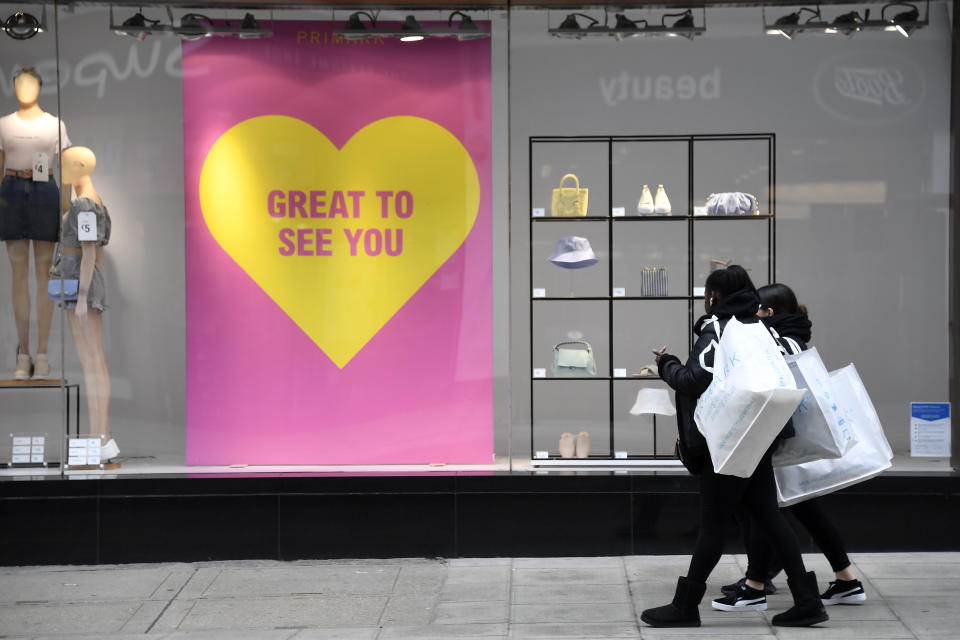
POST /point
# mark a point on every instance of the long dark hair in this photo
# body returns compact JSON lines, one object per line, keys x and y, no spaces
{"x":781,"y":299}
{"x":723,"y":282}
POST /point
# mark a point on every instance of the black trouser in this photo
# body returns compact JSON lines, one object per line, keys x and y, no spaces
{"x":761,"y":558}
{"x":719,"y":497}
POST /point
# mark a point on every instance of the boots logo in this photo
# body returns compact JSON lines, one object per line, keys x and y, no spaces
{"x":869,"y":89}
{"x":878,"y":86}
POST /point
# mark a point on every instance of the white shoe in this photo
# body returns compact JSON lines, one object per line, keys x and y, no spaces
{"x":24,"y":367}
{"x":41,"y":367}
{"x":645,"y":205}
{"x":109,"y":450}
{"x":662,"y":202}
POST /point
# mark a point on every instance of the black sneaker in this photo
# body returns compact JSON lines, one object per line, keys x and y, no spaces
{"x":733,"y":589}
{"x":843,"y":592}
{"x":746,"y":599}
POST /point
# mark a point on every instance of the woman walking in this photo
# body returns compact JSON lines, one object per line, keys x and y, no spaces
{"x":780,"y":311}
{"x":729,"y":293}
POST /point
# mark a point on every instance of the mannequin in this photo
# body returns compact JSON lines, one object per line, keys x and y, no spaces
{"x":30,"y":212}
{"x":83,"y":259}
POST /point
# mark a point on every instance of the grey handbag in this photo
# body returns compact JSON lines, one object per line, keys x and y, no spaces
{"x":574,"y":358}
{"x":732,"y":203}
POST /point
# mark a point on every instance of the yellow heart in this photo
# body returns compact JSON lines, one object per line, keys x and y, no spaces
{"x":397,"y":200}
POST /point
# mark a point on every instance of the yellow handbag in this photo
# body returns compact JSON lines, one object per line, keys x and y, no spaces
{"x":569,"y":202}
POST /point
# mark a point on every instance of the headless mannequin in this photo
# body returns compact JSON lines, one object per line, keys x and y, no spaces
{"x":86,"y":325}
{"x":27,"y":89}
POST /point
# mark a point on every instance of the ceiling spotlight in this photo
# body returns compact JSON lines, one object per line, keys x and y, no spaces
{"x":904,"y":22}
{"x":789,"y":24}
{"x":194,"y":26}
{"x":570,"y":28}
{"x":250,"y":29}
{"x":626,"y":28}
{"x":847,"y":23}
{"x":684,"y":22}
{"x":354,"y":29}
{"x":412,"y":29}
{"x":23,"y":26}
{"x":468,"y":29}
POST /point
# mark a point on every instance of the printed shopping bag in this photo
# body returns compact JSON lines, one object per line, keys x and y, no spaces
{"x":752,"y":396}
{"x":569,"y":202}
{"x":822,"y":429}
{"x":869,"y":457}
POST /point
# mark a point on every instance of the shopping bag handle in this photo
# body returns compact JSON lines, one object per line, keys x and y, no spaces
{"x":713,"y":344}
{"x":576,"y":180}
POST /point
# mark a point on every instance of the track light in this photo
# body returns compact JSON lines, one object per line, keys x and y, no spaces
{"x":468,"y":29}
{"x":193,"y":26}
{"x":23,"y":26}
{"x":904,"y":22}
{"x":354,"y":29}
{"x":411,"y":30}
{"x":850,"y":23}
{"x":684,"y":26}
{"x":847,"y":23}
{"x":789,"y":24}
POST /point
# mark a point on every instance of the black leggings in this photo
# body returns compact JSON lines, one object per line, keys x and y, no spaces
{"x":719,"y":497}
{"x":762,"y":559}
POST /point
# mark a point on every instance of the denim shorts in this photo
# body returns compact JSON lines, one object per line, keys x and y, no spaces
{"x":29,"y":210}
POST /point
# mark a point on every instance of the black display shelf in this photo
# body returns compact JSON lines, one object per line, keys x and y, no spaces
{"x":691,"y":220}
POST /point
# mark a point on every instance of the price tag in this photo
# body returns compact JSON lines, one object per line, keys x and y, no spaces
{"x":539,"y":293}
{"x":18,"y":440}
{"x":620,"y":455}
{"x":87,"y":226}
{"x":699,"y":292}
{"x":542,"y":455}
{"x":618,"y":212}
{"x":619,"y":373}
{"x":619,"y":292}
{"x":36,"y":457}
{"x":699,"y":211}
{"x":19,"y":459}
{"x":41,"y":167}
{"x":538,"y":212}
{"x":39,"y":440}
{"x":21,"y":449}
{"x":77,"y":460}
{"x":539,"y":373}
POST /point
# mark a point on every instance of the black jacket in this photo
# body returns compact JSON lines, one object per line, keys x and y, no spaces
{"x":690,"y":380}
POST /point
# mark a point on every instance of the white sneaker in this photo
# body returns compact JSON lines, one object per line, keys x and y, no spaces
{"x":109,"y":450}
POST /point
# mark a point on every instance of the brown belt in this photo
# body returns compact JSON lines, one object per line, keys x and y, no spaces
{"x":24,"y":173}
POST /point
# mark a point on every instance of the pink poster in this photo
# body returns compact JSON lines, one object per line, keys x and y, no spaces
{"x":338,"y":250}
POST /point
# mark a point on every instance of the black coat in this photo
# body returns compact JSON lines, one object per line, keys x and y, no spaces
{"x":690,"y":380}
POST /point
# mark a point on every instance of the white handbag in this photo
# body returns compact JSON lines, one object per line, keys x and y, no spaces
{"x":869,"y":457}
{"x":574,"y":358}
{"x":752,"y":396}
{"x":821,"y":428}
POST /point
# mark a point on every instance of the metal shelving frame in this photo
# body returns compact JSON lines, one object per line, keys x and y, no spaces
{"x":691,"y":220}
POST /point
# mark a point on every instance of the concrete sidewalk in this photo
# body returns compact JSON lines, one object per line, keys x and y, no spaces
{"x":911,"y":595}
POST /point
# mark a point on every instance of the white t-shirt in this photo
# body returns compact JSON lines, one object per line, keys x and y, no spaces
{"x":22,"y":139}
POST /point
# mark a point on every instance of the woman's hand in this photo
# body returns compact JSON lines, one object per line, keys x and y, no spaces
{"x":81,"y":310}
{"x":658,"y":353}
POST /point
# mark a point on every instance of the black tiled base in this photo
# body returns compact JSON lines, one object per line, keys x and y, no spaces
{"x":168,"y":518}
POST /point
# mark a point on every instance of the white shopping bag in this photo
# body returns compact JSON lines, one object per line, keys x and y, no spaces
{"x":749,"y":401}
{"x":821,"y":429}
{"x":870,"y":456}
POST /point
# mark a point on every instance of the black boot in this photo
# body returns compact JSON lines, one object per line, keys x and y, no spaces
{"x":682,"y":612}
{"x":807,"y":609}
